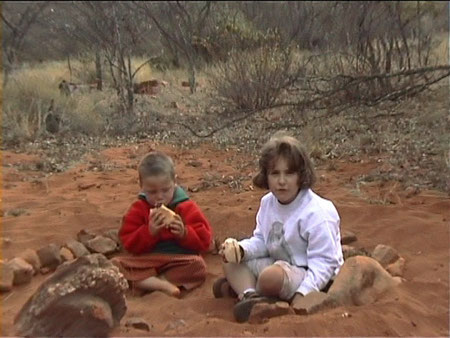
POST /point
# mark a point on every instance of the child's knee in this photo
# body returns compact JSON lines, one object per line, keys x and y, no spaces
{"x":270,"y":281}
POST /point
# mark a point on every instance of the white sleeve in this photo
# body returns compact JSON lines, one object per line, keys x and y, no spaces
{"x":255,"y":246}
{"x":323,"y":257}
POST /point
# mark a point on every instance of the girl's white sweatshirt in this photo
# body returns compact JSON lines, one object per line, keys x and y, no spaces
{"x":304,"y":233}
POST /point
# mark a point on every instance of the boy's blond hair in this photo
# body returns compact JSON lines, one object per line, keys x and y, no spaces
{"x":288,"y":147}
{"x":156,"y":163}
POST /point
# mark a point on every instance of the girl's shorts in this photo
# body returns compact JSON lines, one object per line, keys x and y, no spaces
{"x":294,"y":275}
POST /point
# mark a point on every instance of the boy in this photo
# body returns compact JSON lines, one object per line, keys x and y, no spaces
{"x":164,"y":246}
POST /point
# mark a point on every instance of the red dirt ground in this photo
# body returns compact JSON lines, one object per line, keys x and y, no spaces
{"x":57,"y":207}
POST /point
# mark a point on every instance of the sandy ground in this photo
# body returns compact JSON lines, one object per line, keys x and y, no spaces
{"x":55,"y":208}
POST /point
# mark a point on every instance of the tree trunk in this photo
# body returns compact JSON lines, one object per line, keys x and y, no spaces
{"x":98,"y":70}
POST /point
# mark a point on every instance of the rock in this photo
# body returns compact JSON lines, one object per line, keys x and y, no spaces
{"x":384,"y":254}
{"x":311,"y":303}
{"x":84,"y":236}
{"x":31,"y":257}
{"x":101,"y":245}
{"x":348,"y":237}
{"x":360,"y":281}
{"x":411,"y":191}
{"x":23,"y":272}
{"x":84,"y":298}
{"x":77,"y":248}
{"x":194,"y":163}
{"x":49,"y":256}
{"x":262,"y":311}
{"x":112,"y":234}
{"x":350,"y":251}
{"x":176,"y":324}
{"x":7,"y":277}
{"x":7,"y":241}
{"x":66,"y":254}
{"x":138,"y":323}
{"x":397,"y":268}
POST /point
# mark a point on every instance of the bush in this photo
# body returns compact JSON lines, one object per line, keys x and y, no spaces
{"x":254,"y":79}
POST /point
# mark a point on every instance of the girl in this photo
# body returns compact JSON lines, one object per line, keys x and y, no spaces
{"x":295,"y":247}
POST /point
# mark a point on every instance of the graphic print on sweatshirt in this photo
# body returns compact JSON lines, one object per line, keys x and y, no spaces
{"x":276,"y":243}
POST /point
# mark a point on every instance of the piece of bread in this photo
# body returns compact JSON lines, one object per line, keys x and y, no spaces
{"x":168,"y":214}
{"x":232,"y":250}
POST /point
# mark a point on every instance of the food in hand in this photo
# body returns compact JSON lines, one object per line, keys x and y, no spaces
{"x":232,"y":250}
{"x":168,"y":215}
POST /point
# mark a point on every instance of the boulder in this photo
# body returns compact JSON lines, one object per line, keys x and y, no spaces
{"x":350,"y":251}
{"x":66,"y":254}
{"x":311,"y":303}
{"x":360,"y":281}
{"x":83,"y":236}
{"x":397,"y":268}
{"x":49,"y":256}
{"x":101,"y":244}
{"x":31,"y":257}
{"x":263,"y":311}
{"x":7,"y":277}
{"x":348,"y":237}
{"x":77,"y":248}
{"x":137,"y":323}
{"x":112,"y":234}
{"x":384,"y":254}
{"x":23,"y":272}
{"x":83,"y":298}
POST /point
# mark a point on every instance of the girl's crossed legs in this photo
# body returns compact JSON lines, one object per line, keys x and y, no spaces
{"x":267,"y":276}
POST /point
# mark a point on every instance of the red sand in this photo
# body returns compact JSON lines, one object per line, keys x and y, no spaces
{"x":418,"y":227}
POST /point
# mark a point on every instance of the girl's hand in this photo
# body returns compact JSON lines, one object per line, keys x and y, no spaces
{"x":156,"y":222}
{"x":177,"y":227}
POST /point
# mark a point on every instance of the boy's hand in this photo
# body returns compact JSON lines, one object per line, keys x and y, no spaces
{"x":156,"y":223}
{"x":177,"y":227}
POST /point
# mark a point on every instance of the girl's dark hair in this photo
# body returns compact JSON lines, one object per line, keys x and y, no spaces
{"x":156,"y":163}
{"x":282,"y":145}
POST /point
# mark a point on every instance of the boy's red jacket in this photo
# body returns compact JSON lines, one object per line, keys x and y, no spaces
{"x":136,"y":238}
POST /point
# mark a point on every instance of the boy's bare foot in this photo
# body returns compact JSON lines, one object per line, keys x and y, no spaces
{"x":159,"y":284}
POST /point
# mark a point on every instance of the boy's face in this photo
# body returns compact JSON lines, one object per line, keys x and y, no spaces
{"x":159,"y":189}
{"x":283,"y":182}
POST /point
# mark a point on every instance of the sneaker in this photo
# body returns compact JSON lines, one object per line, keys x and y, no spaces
{"x":244,"y":307}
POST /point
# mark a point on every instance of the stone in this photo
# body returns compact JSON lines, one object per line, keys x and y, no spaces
{"x":263,"y":311}
{"x":194,"y":163}
{"x":384,"y":254}
{"x":7,"y":277}
{"x":31,"y":257}
{"x":175,"y":324}
{"x":101,"y":244}
{"x":112,"y":234}
{"x":66,"y":254}
{"x":49,"y":256}
{"x":77,"y":248}
{"x":311,"y":303}
{"x":23,"y":272}
{"x":138,"y":323}
{"x":360,"y":281}
{"x":84,"y":298}
{"x":397,"y":268}
{"x":348,"y":237}
{"x":350,"y":251}
{"x":84,"y":236}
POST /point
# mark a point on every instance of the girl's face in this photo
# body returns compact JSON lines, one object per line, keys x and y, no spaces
{"x":283,"y":182}
{"x":159,"y":189}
